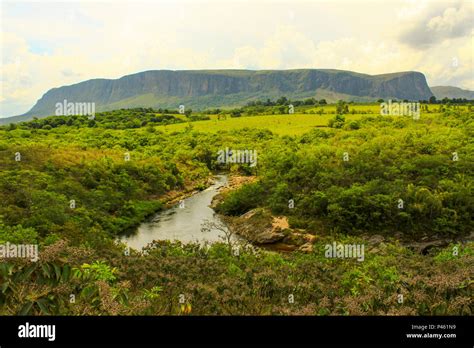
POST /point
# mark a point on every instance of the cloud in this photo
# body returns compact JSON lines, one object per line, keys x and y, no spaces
{"x":51,"y":45}
{"x":427,"y":27}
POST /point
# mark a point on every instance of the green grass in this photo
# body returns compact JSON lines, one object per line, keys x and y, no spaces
{"x":305,"y":119}
{"x":294,"y":124}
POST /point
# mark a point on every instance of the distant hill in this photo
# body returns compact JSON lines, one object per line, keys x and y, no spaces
{"x":441,"y":92}
{"x":200,"y":89}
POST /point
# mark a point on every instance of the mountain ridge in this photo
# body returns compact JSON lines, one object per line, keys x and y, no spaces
{"x":202,"y":89}
{"x":441,"y":92}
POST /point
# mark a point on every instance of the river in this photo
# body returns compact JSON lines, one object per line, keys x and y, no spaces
{"x":180,"y":223}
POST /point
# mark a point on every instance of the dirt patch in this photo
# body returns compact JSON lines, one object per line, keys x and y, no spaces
{"x":280,"y":222}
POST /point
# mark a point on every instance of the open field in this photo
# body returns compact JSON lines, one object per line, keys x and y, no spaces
{"x":285,"y":124}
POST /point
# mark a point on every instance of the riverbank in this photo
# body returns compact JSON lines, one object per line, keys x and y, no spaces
{"x":273,"y":232}
{"x":166,"y":201}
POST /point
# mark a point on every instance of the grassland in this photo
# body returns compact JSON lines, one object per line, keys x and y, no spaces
{"x":303,"y":120}
{"x":295,"y":124}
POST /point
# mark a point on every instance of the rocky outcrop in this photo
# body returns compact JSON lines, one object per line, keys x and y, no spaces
{"x":259,"y":227}
{"x":306,"y":248}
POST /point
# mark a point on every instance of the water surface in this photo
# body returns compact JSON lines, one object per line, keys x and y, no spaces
{"x":181,"y":223}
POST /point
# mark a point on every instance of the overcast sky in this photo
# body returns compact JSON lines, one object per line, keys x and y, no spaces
{"x":50,"y":44}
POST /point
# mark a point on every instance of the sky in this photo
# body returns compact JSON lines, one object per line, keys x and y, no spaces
{"x":48,"y":44}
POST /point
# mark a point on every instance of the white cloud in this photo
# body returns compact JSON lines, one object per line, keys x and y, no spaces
{"x":441,"y":21}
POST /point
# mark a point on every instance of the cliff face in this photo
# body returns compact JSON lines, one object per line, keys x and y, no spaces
{"x":212,"y":88}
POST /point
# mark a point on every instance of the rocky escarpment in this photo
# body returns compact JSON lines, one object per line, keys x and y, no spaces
{"x":218,"y":88}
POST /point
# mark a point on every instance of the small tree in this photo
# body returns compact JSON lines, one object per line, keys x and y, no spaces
{"x":228,"y":235}
{"x":235,"y":113}
{"x":337,"y":122}
{"x":342,"y":107}
{"x":282,"y":101}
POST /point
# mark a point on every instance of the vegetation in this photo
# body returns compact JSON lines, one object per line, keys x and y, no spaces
{"x":388,"y":159}
{"x":73,"y":187}
{"x":118,"y":119}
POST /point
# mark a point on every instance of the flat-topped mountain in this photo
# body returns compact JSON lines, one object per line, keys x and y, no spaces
{"x":200,"y":89}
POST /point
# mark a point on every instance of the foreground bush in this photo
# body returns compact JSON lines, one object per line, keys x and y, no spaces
{"x":187,"y":279}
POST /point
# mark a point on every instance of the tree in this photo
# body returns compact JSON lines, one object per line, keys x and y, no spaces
{"x":337,"y":122}
{"x":282,"y":101}
{"x":432,"y":99}
{"x":226,"y":234}
{"x":235,"y":113}
{"x":268,"y":103}
{"x":342,"y":107}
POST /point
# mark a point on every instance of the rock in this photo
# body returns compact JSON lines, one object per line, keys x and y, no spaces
{"x":376,"y":239}
{"x":306,"y":248}
{"x":280,"y":222}
{"x":281,"y":247}
{"x":374,"y":250}
{"x":259,"y":226}
{"x":268,"y":237}
{"x":424,"y":247}
{"x":295,"y":239}
{"x":248,"y":214}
